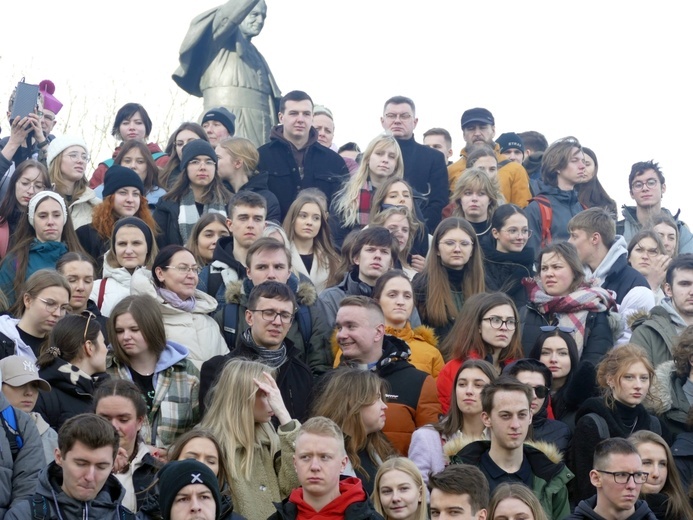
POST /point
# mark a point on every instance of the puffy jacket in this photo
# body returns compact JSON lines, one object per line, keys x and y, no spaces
{"x":423,"y":345}
{"x":629,"y":227}
{"x":258,"y":184}
{"x":657,"y":331}
{"x":671,"y":404}
{"x":116,"y":286}
{"x":564,"y":204}
{"x":585,"y":511}
{"x":82,"y":208}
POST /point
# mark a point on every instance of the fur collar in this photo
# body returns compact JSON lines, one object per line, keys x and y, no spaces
{"x":660,"y":399}
{"x":305,"y":293}
{"x":459,"y":442}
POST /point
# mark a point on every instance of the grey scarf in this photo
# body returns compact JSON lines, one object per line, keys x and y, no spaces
{"x":271,"y":358}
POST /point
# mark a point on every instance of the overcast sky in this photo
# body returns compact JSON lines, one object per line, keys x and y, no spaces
{"x":613,"y":74}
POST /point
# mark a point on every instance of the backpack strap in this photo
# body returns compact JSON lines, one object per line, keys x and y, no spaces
{"x":546,"y":211}
{"x":305,"y":324}
{"x":602,"y":427}
{"x":156,"y":155}
{"x":230,"y":324}
{"x":102,"y":291}
{"x":503,"y":163}
{"x":39,"y":507}
{"x":14,"y":438}
{"x":108,"y":162}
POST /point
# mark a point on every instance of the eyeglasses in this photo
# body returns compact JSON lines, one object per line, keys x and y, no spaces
{"x":513,"y":232}
{"x":622,"y":477}
{"x":88,"y":315}
{"x":639,"y":185}
{"x":197,"y":163}
{"x":52,"y":306}
{"x":271,"y":315}
{"x":76,"y":156}
{"x":497,"y":322}
{"x":454,"y":243}
{"x":541,"y":391}
{"x":402,"y":117}
{"x":551,"y":328}
{"x":185,"y":269}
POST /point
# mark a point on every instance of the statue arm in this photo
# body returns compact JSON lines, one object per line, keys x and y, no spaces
{"x":229,"y":16}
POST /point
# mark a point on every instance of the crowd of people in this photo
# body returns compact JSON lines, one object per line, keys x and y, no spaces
{"x":215,"y":330}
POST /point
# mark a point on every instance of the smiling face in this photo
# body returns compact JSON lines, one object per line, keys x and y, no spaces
{"x":254,"y":21}
{"x":512,"y":237}
{"x":208,"y":237}
{"x":632,"y":387}
{"x":556,"y":275}
{"x":85,"y":470}
{"x":130,"y":247}
{"x":308,"y":221}
{"x":184,"y":283}
{"x":399,"y":495}
{"x":455,"y":248}
{"x":120,"y":412}
{"x":130,"y":336}
{"x":49,"y":220}
{"x":397,"y":301}
{"x":28,"y":184}
{"x":470,"y":383}
{"x":654,"y":462}
{"x":202,"y":450}
{"x":359,"y":337}
{"x":126,"y":201}
{"x":399,"y":195}
{"x":555,"y":355}
{"x":73,"y":163}
{"x":80,"y":276}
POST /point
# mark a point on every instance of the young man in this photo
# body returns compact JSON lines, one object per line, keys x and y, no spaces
{"x":188,"y":490}
{"x":618,"y":477}
{"x":507,"y":414}
{"x":459,"y":492}
{"x":79,"y":483}
{"x":647,"y":188}
{"x":535,"y":146}
{"x":511,"y":146}
{"x":246,"y":219}
{"x":441,"y":140}
{"x":361,"y":337}
{"x":219,"y":124}
{"x":319,"y":459}
{"x":656,"y":332}
{"x":423,"y":168}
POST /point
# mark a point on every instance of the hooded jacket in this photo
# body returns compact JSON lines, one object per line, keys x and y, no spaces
{"x":423,"y":345}
{"x":585,"y":511}
{"x":564,"y":204}
{"x":504,"y":272}
{"x":82,"y":208}
{"x":671,"y":405}
{"x":226,"y":265}
{"x":258,"y":184}
{"x":656,"y":331}
{"x":11,"y":342}
{"x":117,"y":287}
{"x":552,"y":431}
{"x":629,"y":226}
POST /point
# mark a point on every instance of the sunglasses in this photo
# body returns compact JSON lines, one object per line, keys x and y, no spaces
{"x":551,"y":328}
{"x":88,"y":315}
{"x":541,"y":391}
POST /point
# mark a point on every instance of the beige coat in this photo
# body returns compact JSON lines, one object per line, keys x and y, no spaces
{"x":81,"y":209}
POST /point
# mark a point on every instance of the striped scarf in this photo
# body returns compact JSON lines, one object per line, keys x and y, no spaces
{"x":188,"y":215}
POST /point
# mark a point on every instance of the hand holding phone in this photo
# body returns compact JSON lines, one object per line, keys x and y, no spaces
{"x":25,"y":100}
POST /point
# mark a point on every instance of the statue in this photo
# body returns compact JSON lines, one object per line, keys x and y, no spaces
{"x":219,"y":63}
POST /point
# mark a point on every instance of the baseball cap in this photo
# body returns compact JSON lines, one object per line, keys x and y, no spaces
{"x":20,"y":370}
{"x":477,"y":115}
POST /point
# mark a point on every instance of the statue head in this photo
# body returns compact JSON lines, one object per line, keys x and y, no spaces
{"x":253,"y":23}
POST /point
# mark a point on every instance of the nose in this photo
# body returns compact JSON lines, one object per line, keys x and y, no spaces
{"x":631,"y":482}
{"x":29,"y":390}
{"x":458,"y":246}
{"x":276,"y":318}
{"x":554,"y":358}
{"x":384,"y":406}
{"x":79,"y":286}
{"x":504,"y":325}
{"x":469,"y":389}
{"x":89,"y":473}
{"x":195,"y":504}
{"x":58,"y":311}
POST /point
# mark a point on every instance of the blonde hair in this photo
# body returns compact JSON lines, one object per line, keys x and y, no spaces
{"x":519,"y":492}
{"x":243,"y":149}
{"x":476,"y":180}
{"x":615,"y":363}
{"x":58,"y":180}
{"x":405,"y":466}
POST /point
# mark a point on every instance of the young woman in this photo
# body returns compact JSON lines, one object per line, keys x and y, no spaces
{"x":259,"y":459}
{"x":159,"y":367}
{"x":238,"y":160}
{"x":399,"y":491}
{"x":647,"y":255}
{"x":73,"y":363}
{"x":515,"y":502}
{"x":309,"y":241}
{"x":28,"y":178}
{"x":132,"y":246}
{"x":353,"y":398}
{"x":663,"y":491}
{"x":486,"y":328}
{"x":181,"y":136}
{"x":559,"y":297}
{"x":121,"y":403}
{"x":197,"y":190}
{"x":668,"y":231}
{"x":351,"y":205}
{"x":173,"y":283}
{"x":432,"y":445}
{"x":403,"y":226}
{"x":624,"y":376}
{"x":591,"y":193}
{"x":509,"y":260}
{"x":204,"y":236}
{"x":452,"y":274}
{"x":78,"y":270}
{"x":394,"y":293}
{"x":45,"y":300}
{"x":44,"y":234}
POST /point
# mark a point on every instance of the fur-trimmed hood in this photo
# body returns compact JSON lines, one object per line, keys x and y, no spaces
{"x":660,"y":398}
{"x":455,"y":445}
{"x":303,"y":290}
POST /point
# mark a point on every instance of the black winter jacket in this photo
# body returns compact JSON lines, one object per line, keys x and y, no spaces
{"x":93,"y":243}
{"x":682,"y":449}
{"x":258,"y":184}
{"x":166,"y":218}
{"x":622,"y":278}
{"x":504,"y":272}
{"x":585,"y":511}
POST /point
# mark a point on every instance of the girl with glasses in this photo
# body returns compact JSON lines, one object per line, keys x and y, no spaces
{"x":181,"y":136}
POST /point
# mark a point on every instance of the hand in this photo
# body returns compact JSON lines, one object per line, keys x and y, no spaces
{"x":417,"y":263}
{"x":658,"y":271}
{"x":158,"y":453}
{"x":121,"y":461}
{"x":20,"y":129}
{"x":274,"y":396}
{"x":36,"y":127}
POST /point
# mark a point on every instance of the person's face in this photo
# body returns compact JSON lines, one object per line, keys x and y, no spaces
{"x":202,"y":450}
{"x":28,"y":184}
{"x":227,"y":164}
{"x":654,"y":462}
{"x":308,"y":221}
{"x":49,"y":220}
{"x":398,"y":226}
{"x":399,"y":495}
{"x":80,"y":276}
{"x":556,"y":275}
{"x":269,"y":265}
{"x":47,"y":121}
{"x":446,"y":506}
{"x":319,"y":460}
{"x":620,"y":497}
{"x":85,"y":470}
{"x":130,"y":336}
{"x":373,"y":415}
{"x":643,"y":254}
{"x":455,"y":248}
{"x":36,"y":309}
{"x":589,"y":168}
{"x":201,"y":171}
{"x":184,"y":283}
{"x":208,"y":237}
{"x":382,"y":163}
{"x":488,"y":165}
{"x":325,"y":127}
{"x":399,"y":195}
{"x":632,"y":387}
{"x":136,"y":162}
{"x":556,"y":356}
{"x":246,"y":224}
{"x":99,"y":354}
{"x":470,"y":383}
{"x":397,"y":301}
{"x":373,"y":261}
{"x":262,"y":411}
{"x":514,"y":155}
{"x":512,"y":508}
{"x":400,"y":120}
{"x":358,"y":336}
{"x":23,"y":397}
{"x":574,"y":172}
{"x":585,"y":244}
{"x":133,"y":128}
{"x":194,"y":502}
{"x":73,"y":162}
{"x":512,"y":237}
{"x":297,"y":119}
{"x":475,"y":205}
{"x":269,"y":334}
{"x":509,"y":419}
{"x":476,"y":134}
{"x":681,"y":291}
{"x":216,"y":131}
{"x":253,"y":23}
{"x":130,"y":247}
{"x":668,"y":236}
{"x":437,"y":142}
{"x":126,"y":201}
{"x":533,"y":379}
{"x":497,"y":338}
{"x":183,"y":138}
{"x":120,"y":412}
{"x":647,"y":196}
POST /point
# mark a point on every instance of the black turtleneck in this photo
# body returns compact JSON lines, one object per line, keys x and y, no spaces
{"x":627,"y":414}
{"x":455,"y":276}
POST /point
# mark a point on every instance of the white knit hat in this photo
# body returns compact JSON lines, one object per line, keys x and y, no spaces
{"x":40,"y":197}
{"x":59,"y":144}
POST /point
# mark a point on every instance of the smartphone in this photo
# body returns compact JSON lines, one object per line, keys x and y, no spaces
{"x":25,"y":101}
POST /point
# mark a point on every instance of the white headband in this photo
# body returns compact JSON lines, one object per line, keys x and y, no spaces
{"x":41,"y":196}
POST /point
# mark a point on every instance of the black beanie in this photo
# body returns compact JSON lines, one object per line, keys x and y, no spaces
{"x":117,"y":177}
{"x":222,"y":115}
{"x":175,"y":475}
{"x":510,"y":140}
{"x":139,"y":224}
{"x":195,"y":148}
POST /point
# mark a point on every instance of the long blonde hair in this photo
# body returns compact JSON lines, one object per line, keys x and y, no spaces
{"x":230,"y":416}
{"x":407,"y":467}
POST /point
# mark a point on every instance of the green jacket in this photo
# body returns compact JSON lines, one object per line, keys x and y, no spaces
{"x":655,"y":332}
{"x":668,"y":399}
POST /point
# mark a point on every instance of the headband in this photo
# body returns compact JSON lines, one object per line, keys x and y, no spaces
{"x":40,"y":197}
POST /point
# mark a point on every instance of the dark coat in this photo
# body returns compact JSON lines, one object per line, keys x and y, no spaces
{"x":682,"y":449}
{"x":93,"y":243}
{"x":622,"y":278}
{"x":166,"y":218}
{"x":551,"y":430}
{"x":585,"y":511}
{"x":504,"y":272}
{"x":258,"y":184}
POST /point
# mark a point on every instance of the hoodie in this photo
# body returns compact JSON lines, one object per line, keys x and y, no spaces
{"x":629,"y":226}
{"x":11,"y":342}
{"x":585,"y":511}
{"x":656,"y":331}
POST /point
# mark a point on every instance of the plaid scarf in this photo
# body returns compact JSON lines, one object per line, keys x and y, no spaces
{"x":571,"y":311}
{"x":188,"y":215}
{"x":365,"y":198}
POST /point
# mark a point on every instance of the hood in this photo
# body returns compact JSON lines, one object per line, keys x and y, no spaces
{"x":617,"y":257}
{"x":477,"y":447}
{"x":119,"y":274}
{"x":421,"y":333}
{"x":237,"y":292}
{"x":352,"y":286}
{"x":395,"y":356}
{"x":532,"y":164}
{"x":141,"y":283}
{"x":49,"y":251}
{"x":567,"y":197}
{"x":277,"y":134}
{"x":173,"y":353}
{"x":674,"y":316}
{"x":223,"y":252}
{"x":87,"y":197}
{"x":8,"y":327}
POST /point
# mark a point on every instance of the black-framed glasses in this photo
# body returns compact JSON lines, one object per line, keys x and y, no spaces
{"x":185,"y":269}
{"x":88,"y":315}
{"x":271,"y":315}
{"x":541,"y":391}
{"x":551,"y":328}
{"x":52,"y":306}
{"x":497,"y":322}
{"x":622,"y":477}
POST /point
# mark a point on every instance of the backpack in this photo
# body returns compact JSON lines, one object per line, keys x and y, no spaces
{"x":546,"y":211}
{"x":40,"y":509}
{"x":9,"y":423}
{"x":230,"y":324}
{"x":603,"y":429}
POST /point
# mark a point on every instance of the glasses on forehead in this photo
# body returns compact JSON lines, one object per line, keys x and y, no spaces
{"x":639,"y":185}
{"x":52,"y":306}
{"x":622,"y":477}
{"x":88,"y":315}
{"x":271,"y":315}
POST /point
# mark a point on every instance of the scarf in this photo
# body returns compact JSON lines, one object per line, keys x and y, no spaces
{"x":271,"y":358}
{"x":365,"y":198}
{"x":175,"y":301}
{"x":571,"y":310}
{"x":188,"y":215}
